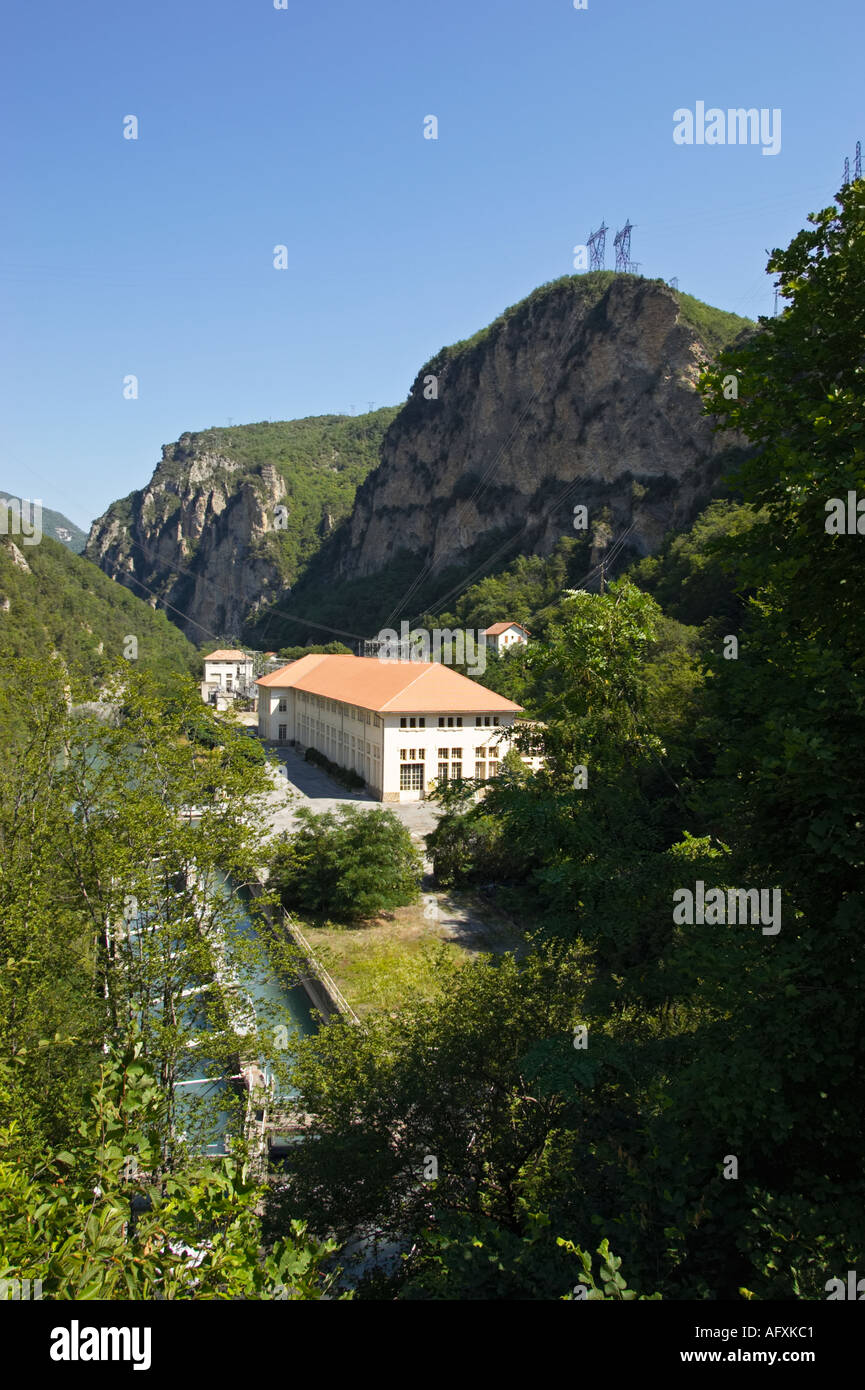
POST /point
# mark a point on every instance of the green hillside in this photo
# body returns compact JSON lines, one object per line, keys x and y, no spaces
{"x":63,"y":603}
{"x":56,"y":525}
{"x":323,"y":460}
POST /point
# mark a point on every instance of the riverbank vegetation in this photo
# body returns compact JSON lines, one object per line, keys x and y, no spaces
{"x":122,"y":1009}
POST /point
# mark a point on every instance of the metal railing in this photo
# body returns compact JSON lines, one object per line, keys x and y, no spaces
{"x":314,"y":963}
{"x":321,"y":974}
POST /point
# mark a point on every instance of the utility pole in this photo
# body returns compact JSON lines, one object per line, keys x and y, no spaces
{"x":596,"y":243}
{"x":622,"y":243}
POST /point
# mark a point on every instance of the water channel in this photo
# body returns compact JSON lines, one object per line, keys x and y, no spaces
{"x":261,"y":988}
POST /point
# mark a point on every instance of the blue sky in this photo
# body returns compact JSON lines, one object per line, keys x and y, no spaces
{"x":304,"y":127}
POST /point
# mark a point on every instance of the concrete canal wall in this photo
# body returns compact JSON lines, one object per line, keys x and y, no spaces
{"x":321,"y":990}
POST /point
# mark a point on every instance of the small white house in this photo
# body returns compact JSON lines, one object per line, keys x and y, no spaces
{"x":501,"y":636}
{"x":227,"y":674}
{"x":401,"y":725}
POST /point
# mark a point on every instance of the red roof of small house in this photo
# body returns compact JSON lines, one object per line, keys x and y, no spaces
{"x":498,"y":628}
{"x":227,"y":656}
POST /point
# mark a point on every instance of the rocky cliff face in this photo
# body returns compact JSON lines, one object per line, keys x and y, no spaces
{"x":231,"y":517}
{"x":190,"y":538}
{"x":584,"y":394}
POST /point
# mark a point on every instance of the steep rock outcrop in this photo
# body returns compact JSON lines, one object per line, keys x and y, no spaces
{"x":582,"y":394}
{"x":231,"y":517}
{"x":189,"y":539}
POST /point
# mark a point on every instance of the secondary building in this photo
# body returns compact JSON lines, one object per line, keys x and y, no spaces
{"x":501,"y":636}
{"x":227,"y":674}
{"x":401,"y":725}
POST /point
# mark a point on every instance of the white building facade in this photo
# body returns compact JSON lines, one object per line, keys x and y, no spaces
{"x":401,"y":725}
{"x":501,"y":636}
{"x":228,"y":674}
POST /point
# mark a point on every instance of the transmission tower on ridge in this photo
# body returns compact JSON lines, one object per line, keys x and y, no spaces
{"x":597,"y":247}
{"x":622,"y":243}
{"x":857,"y":167}
{"x":846,"y":178}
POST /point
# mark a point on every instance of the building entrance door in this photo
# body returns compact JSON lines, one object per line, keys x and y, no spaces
{"x":411,"y":781}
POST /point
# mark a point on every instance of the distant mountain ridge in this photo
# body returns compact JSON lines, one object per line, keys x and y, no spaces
{"x":55,"y":525}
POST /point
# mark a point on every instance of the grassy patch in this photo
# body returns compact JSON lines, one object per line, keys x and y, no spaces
{"x":377,"y":965}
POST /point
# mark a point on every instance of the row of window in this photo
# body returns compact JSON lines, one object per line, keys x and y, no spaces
{"x":411,"y":774}
{"x":361,"y":716}
{"x":449,"y":721}
{"x":410,"y":755}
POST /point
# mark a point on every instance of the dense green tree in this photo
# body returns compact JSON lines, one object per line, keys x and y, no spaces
{"x":346,"y":865}
{"x":457,"y":1079}
{"x":59,"y":602}
{"x":114,"y":909}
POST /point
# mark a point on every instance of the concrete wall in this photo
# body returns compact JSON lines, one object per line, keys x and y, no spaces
{"x":316,"y":990}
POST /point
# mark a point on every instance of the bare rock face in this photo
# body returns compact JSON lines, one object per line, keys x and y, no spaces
{"x":189,"y":539}
{"x":17,"y":558}
{"x":583,"y":395}
{"x":570,"y":399}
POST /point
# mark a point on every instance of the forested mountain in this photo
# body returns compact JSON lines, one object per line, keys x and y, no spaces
{"x":56,"y":525}
{"x":232,"y":517}
{"x":582,"y":394}
{"x":667,"y":1072}
{"x":699,"y":1099}
{"x":54,"y":601}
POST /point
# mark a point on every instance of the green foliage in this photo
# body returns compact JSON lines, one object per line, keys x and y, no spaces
{"x":715,"y":328}
{"x":443,"y":1077}
{"x":612,"y":1287}
{"x":329,"y":649}
{"x":103,"y":1222}
{"x":51,"y":520}
{"x":693,"y":576}
{"x":94,"y":840}
{"x":65,"y":604}
{"x":345,"y":775}
{"x":323,"y":460}
{"x":519,"y":592}
{"x":346,"y":865}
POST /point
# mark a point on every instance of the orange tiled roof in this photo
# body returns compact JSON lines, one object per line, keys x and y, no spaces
{"x":389,"y":687}
{"x":498,"y":628}
{"x":226,"y":656}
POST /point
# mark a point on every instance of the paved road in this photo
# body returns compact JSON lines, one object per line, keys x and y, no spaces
{"x":298,"y":783}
